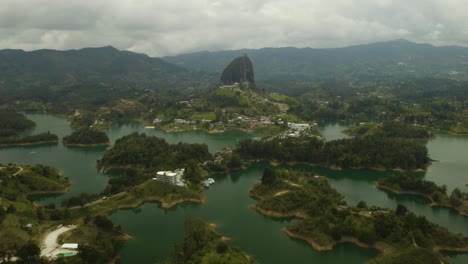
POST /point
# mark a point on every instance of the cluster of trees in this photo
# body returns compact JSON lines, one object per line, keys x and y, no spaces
{"x":98,"y":241}
{"x":86,"y":136}
{"x":13,"y":123}
{"x":130,"y":177}
{"x":152,"y":152}
{"x":302,"y":192}
{"x":458,"y":197}
{"x":80,"y":199}
{"x":202,"y":244}
{"x":367,"y":152}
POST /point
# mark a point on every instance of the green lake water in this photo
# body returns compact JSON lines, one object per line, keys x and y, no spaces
{"x":155,"y":230}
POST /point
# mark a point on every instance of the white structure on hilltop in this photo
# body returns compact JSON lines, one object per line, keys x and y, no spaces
{"x":171,"y":177}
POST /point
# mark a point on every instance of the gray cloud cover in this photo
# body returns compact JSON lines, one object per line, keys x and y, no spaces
{"x":158,"y":27}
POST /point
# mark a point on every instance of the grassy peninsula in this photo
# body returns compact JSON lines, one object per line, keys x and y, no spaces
{"x":326,"y":220}
{"x":404,"y":184}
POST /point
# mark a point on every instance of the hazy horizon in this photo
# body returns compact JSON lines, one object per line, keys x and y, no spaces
{"x":162,"y":28}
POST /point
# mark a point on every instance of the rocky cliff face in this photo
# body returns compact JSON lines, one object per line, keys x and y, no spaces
{"x":240,"y":71}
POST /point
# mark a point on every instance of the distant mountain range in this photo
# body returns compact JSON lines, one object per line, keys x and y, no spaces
{"x":109,"y":66}
{"x":105,"y":65}
{"x":393,"y":59}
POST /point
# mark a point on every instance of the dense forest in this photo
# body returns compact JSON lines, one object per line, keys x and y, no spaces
{"x":151,"y":152}
{"x":86,"y":136}
{"x":366,"y":152}
{"x":201,"y":244}
{"x":326,"y":219}
{"x":13,"y":123}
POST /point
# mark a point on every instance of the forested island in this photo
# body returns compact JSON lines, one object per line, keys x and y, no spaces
{"x":390,"y":129}
{"x":142,"y":151}
{"x":13,"y":123}
{"x":86,"y":137}
{"x":404,"y":184}
{"x":326,"y":220}
{"x":373,"y":152}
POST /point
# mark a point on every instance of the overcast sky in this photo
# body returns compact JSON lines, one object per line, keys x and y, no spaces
{"x":168,"y":27}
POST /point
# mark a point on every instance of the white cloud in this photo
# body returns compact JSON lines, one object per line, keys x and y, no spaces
{"x":177,"y":26}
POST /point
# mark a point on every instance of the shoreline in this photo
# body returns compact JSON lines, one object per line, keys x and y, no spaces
{"x":432,"y":204}
{"x":29,"y":143}
{"x":276,"y":163}
{"x":380,"y":246}
{"x":48,"y":192}
{"x":86,"y":145}
{"x":136,"y":204}
{"x":276,"y":214}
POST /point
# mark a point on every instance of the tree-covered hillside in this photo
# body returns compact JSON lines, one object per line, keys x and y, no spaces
{"x":21,"y":69}
{"x":13,"y":123}
{"x":398,"y":58}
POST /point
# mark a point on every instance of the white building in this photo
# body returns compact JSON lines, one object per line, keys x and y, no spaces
{"x":171,"y":177}
{"x":298,"y":126}
{"x":70,"y":246}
